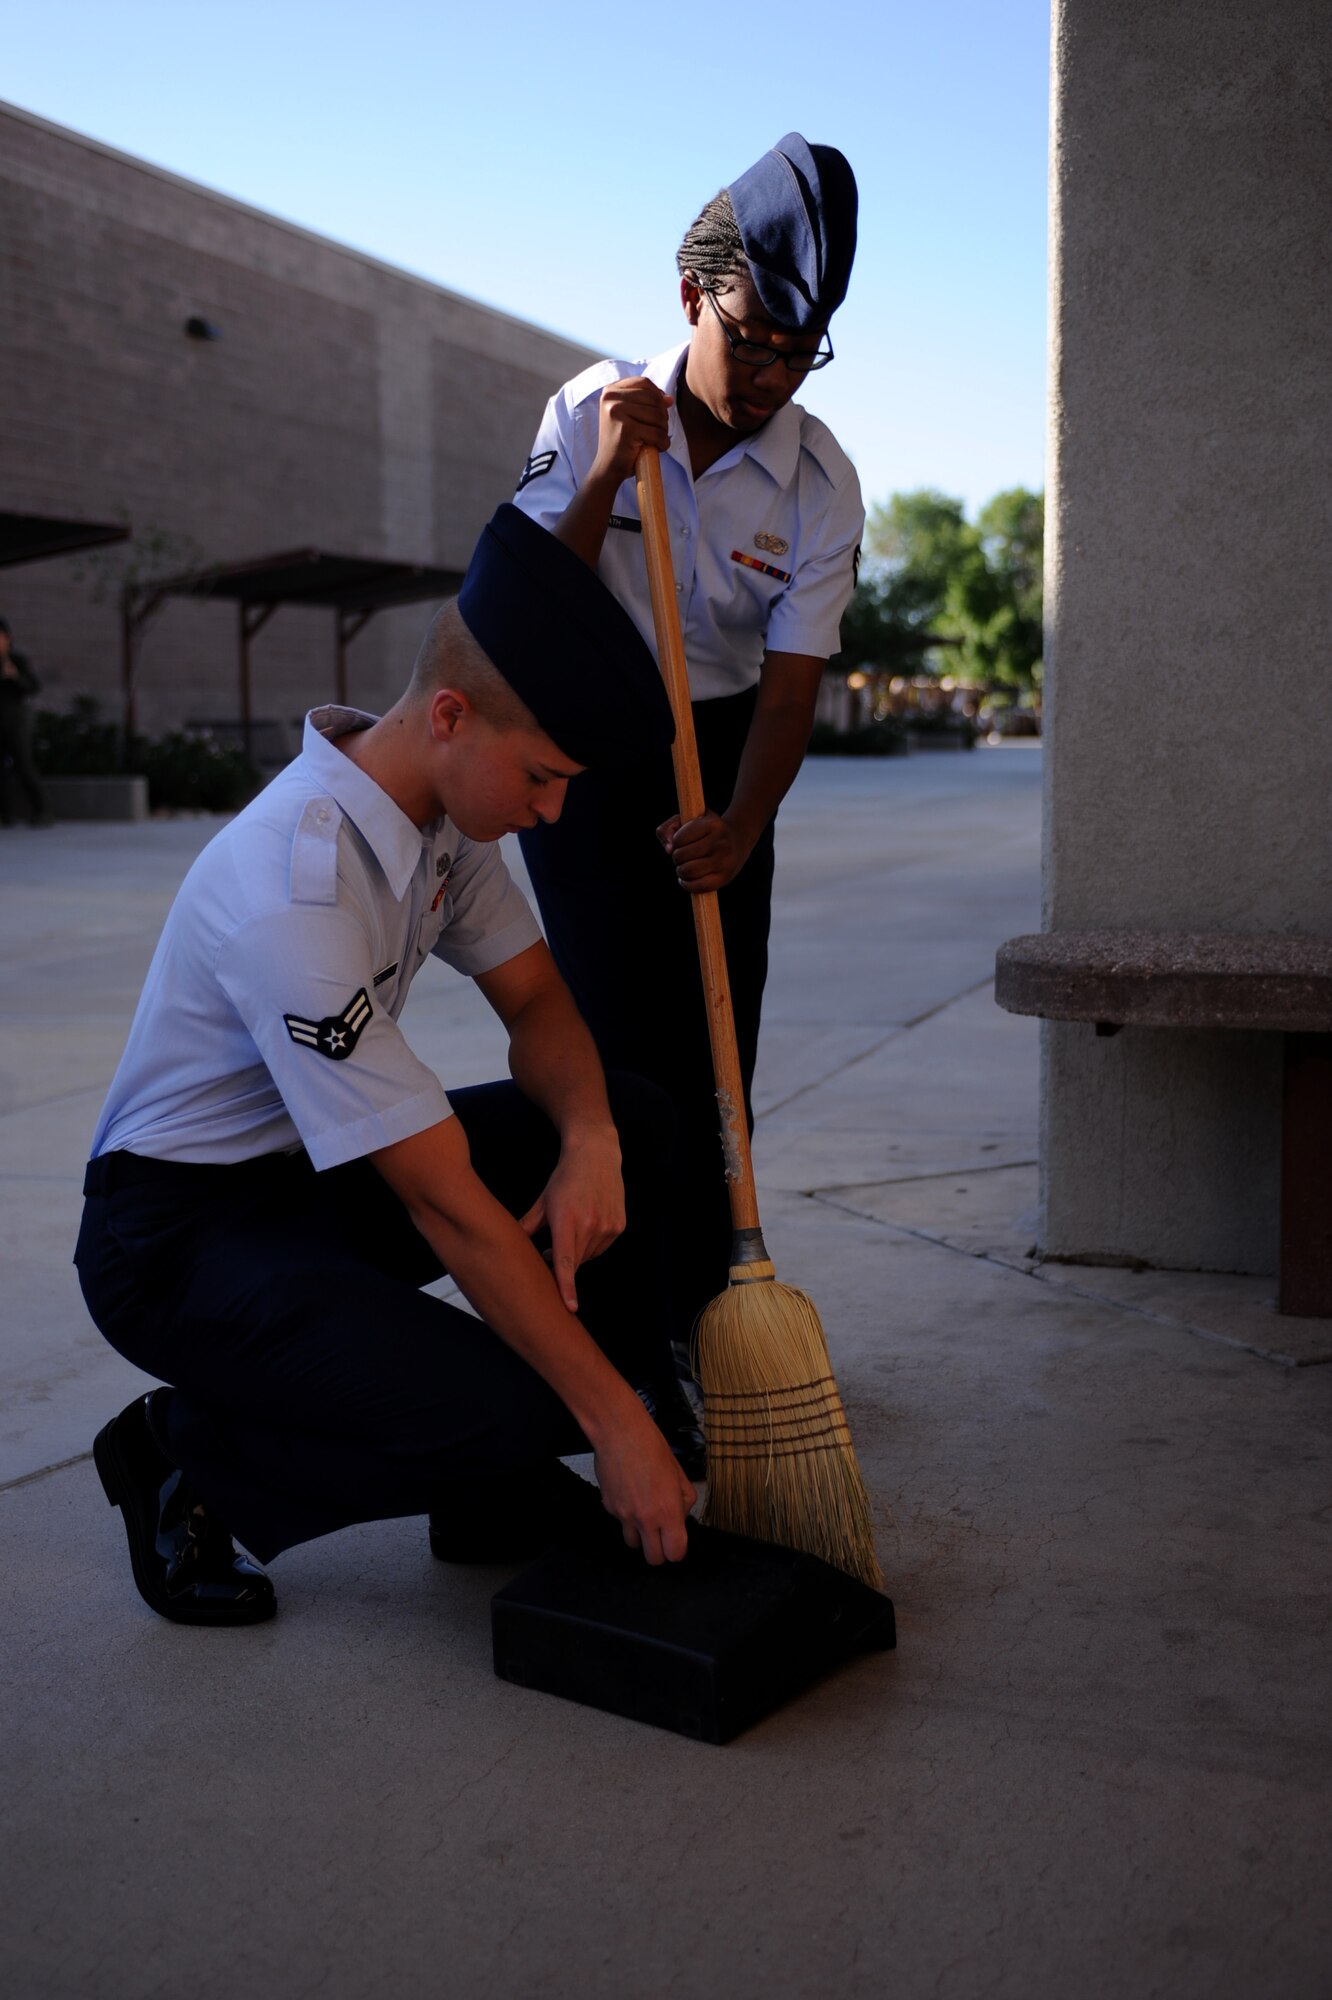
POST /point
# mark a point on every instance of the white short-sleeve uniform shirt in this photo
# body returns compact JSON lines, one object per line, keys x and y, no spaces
{"x":765,"y":544}
{"x":269,"y":1017}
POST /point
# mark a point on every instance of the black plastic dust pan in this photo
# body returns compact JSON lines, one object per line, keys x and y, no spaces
{"x":704,"y":1647}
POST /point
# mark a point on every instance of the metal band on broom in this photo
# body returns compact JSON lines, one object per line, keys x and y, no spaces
{"x":781,"y":1465}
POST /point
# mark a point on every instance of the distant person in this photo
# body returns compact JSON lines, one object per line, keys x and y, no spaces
{"x":18,"y":683}
{"x":765,"y":521}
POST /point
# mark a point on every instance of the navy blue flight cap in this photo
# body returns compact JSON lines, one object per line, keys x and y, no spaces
{"x":796,"y":208}
{"x":565,"y":645}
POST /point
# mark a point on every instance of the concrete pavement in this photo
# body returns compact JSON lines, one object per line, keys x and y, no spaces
{"x":1097,"y":1764}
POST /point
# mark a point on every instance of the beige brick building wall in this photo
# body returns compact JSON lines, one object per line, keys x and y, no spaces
{"x":347,"y":406}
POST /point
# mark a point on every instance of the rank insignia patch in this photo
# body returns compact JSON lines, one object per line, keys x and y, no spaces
{"x":536,"y":467}
{"x":773,"y":545}
{"x":337,"y":1034}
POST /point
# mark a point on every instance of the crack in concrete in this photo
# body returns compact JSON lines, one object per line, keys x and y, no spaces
{"x":901,"y":1028}
{"x":1061,"y":1287}
{"x":44,"y":1471}
{"x":470,"y":1784}
{"x":910,"y":1180}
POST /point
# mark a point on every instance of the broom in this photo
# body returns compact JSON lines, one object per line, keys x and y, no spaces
{"x":781,"y":1465}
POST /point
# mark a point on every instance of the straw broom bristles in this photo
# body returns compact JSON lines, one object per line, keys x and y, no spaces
{"x":781,"y":1465}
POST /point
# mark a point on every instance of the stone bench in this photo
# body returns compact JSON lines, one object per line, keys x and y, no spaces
{"x":1146,"y":979}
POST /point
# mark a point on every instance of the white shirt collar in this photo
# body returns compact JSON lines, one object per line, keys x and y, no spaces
{"x":776,"y":447}
{"x":394,"y":840}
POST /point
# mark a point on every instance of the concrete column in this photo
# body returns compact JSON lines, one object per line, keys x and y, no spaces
{"x":1190,"y":579}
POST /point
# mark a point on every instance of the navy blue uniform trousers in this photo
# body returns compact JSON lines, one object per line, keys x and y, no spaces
{"x":314,"y":1383}
{"x":622,"y":933}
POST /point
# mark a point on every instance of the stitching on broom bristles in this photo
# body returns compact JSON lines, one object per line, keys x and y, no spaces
{"x":729,"y":1454}
{"x":791,"y":1441}
{"x":770,"y":1395}
{"x":775,"y":1413}
{"x":790,"y":1418}
{"x":745,"y":1428}
{"x":723,"y":1429}
{"x":782,"y":1463}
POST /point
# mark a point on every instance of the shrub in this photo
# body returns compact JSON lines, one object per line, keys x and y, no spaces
{"x":195,"y":771}
{"x":885,"y":738}
{"x":190,"y":771}
{"x":76,"y":745}
{"x":943,"y":725}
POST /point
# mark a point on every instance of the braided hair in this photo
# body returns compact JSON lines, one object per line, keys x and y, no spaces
{"x":712,"y":253}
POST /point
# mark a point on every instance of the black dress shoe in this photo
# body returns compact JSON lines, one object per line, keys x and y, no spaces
{"x":185,"y":1564}
{"x":517,"y":1518}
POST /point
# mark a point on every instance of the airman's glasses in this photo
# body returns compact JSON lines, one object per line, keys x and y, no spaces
{"x":757,"y":354}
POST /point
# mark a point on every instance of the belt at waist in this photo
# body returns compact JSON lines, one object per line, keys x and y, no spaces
{"x":119,"y":1170}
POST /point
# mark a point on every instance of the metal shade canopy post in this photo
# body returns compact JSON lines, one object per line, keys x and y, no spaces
{"x":349,"y":623}
{"x":353,"y":587}
{"x":253,"y":618}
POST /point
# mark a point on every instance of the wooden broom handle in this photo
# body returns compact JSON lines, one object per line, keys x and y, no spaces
{"x":689,"y":788}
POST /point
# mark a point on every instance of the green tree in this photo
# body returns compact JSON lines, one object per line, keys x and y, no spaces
{"x":912,"y":543}
{"x":877,"y":632}
{"x":928,"y":569}
{"x":1012,"y":532}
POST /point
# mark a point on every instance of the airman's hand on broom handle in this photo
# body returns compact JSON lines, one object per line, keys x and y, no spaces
{"x":632,"y":414}
{"x":707,"y":852}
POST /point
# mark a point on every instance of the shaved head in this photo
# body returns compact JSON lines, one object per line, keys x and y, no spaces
{"x":450,"y":658}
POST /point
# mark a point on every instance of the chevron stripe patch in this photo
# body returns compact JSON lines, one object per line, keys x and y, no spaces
{"x":337,"y":1034}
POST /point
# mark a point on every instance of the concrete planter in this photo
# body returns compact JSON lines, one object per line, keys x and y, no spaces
{"x":119,"y":797}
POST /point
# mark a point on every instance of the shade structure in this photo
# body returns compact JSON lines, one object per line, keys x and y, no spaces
{"x":28,"y":538}
{"x":315,"y":576}
{"x":354,"y":588}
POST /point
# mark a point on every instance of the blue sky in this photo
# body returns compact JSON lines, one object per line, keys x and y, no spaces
{"x":547,"y":158}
